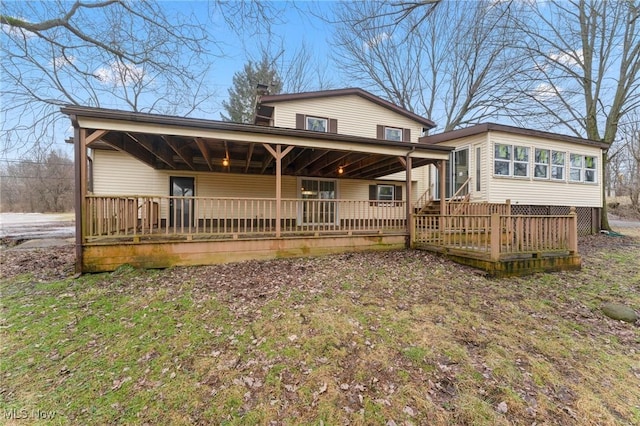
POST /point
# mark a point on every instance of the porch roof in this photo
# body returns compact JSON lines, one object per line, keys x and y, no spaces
{"x":192,"y":144}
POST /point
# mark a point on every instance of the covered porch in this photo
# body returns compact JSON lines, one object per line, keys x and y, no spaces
{"x":181,"y":226}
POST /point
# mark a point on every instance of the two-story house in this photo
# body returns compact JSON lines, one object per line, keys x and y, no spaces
{"x":156,"y":191}
{"x":318,"y":172}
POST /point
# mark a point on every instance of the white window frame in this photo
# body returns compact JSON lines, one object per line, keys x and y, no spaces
{"x":507,"y":160}
{"x":520,"y":162}
{"x":386,"y":186}
{"x":546,"y":164}
{"x":576,"y":165}
{"x":309,"y":126}
{"x":562,"y":166}
{"x":397,"y":130}
{"x":511,"y":161}
{"x":582,"y":168}
{"x":588,"y":169}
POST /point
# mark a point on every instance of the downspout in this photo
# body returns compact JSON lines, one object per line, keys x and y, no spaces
{"x":79,"y":196}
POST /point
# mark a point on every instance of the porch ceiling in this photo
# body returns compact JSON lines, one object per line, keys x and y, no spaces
{"x":185,"y":144}
{"x":166,"y":152}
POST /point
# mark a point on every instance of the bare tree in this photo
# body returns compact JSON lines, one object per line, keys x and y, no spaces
{"x":138,"y":55}
{"x":583,"y":70}
{"x":42,"y":183}
{"x":629,"y":162}
{"x":450,"y":63}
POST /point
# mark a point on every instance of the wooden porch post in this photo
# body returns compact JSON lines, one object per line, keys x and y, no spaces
{"x":278,"y":159}
{"x":496,"y":236}
{"x":80,"y":154}
{"x":573,"y":231}
{"x":278,"y":154}
{"x":443,"y":194}
{"x":409,"y":206}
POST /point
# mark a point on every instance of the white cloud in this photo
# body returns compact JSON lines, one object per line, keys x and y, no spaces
{"x":374,"y":41}
{"x":567,"y":58}
{"x":17,"y":31}
{"x":119,"y":74}
{"x":62,"y":61}
{"x":545,"y":91}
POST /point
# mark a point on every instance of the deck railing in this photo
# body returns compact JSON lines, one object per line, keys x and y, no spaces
{"x":498,"y":236}
{"x":192,"y":217}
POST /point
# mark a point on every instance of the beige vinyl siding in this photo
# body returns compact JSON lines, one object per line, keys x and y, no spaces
{"x":116,"y":173}
{"x":470,"y":142}
{"x":359,"y":190}
{"x":543,"y":191}
{"x":356,"y":116}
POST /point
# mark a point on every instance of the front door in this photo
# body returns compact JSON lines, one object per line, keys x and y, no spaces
{"x":181,"y":209}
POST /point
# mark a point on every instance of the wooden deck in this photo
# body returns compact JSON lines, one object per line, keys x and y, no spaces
{"x":502,"y":244}
{"x":162,"y":231}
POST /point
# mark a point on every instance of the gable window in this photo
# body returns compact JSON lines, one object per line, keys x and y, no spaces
{"x":393,"y":134}
{"x":541,"y":167}
{"x":386,"y":194}
{"x":316,"y":124}
{"x":582,"y":168}
{"x":557,"y":165}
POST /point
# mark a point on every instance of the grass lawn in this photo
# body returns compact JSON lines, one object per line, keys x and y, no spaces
{"x":402,"y":337}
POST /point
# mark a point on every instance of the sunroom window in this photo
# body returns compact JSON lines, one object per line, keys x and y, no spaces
{"x":557,"y":165}
{"x":575,"y":172}
{"x":583,"y":168}
{"x":520,"y":161}
{"x":541,"y":168}
{"x":502,"y":161}
{"x":511,"y":160}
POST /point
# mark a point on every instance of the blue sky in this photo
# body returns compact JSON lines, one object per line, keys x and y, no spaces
{"x":293,"y":27}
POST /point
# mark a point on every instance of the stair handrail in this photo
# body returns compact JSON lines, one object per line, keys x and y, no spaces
{"x":465,"y":199}
{"x":425,"y":199}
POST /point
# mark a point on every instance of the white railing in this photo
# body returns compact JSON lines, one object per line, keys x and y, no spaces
{"x":137,"y":216}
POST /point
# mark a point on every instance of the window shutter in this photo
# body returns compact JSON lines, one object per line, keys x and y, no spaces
{"x":300,"y":121}
{"x":373,"y":192}
{"x":398,"y":193}
{"x":380,"y":131}
{"x":406,"y":135}
{"x":333,"y":125}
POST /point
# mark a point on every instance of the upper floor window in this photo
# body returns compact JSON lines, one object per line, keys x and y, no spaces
{"x":396,"y":134}
{"x":316,"y":124}
{"x":393,"y":134}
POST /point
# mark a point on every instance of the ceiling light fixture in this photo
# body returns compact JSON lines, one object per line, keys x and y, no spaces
{"x":340,"y":170}
{"x":225,"y":162}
